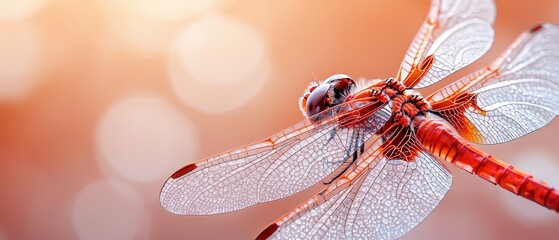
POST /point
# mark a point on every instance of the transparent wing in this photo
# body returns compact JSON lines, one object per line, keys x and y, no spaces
{"x":455,"y":34}
{"x":286,"y":163}
{"x":382,"y":198}
{"x":515,"y":95}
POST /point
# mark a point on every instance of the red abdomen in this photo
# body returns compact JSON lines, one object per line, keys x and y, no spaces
{"x":440,"y":141}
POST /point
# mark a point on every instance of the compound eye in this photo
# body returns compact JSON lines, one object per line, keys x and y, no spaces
{"x":317,"y":100}
{"x":337,"y":77}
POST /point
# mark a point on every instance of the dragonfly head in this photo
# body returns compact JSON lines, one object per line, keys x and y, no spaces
{"x":330,"y":92}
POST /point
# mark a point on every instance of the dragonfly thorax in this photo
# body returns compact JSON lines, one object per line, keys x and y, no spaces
{"x":341,"y":88}
{"x":406,"y":107}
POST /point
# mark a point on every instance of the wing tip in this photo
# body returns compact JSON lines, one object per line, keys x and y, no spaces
{"x":184,"y":170}
{"x":268,"y":232}
{"x":541,"y":26}
{"x":536,"y":28}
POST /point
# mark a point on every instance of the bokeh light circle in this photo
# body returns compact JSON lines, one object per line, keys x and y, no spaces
{"x":218,"y":64}
{"x":172,"y":9}
{"x":144,"y":138}
{"x":135,"y":32}
{"x":20,"y":9}
{"x":108,"y":210}
{"x":218,"y":50}
{"x":151,"y":25}
{"x":139,"y":35}
{"x":542,"y":165}
{"x":20,"y":50}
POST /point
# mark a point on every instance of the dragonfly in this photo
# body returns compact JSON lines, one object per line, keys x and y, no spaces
{"x":378,"y":146}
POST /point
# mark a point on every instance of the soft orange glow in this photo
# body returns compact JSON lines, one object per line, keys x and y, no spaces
{"x":220,"y":43}
{"x":20,"y":52}
{"x":171,"y":9}
{"x":93,"y":212}
{"x":17,"y":10}
{"x":133,"y":31}
{"x":101,"y":101}
{"x":217,"y":64}
{"x":142,"y":138}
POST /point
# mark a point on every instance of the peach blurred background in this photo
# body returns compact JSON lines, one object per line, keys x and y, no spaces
{"x":100,"y":101}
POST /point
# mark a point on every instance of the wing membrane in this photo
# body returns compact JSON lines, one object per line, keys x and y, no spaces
{"x":514,"y":96}
{"x":286,"y":163}
{"x":382,"y":198}
{"x":455,"y":34}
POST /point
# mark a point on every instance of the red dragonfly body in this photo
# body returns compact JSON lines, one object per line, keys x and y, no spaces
{"x":374,"y":144}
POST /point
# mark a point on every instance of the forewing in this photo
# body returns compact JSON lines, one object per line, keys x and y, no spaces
{"x":286,"y":163}
{"x":382,"y":198}
{"x":515,"y":95}
{"x":455,"y":33}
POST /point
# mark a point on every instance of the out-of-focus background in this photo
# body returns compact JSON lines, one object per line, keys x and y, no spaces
{"x":100,"y":101}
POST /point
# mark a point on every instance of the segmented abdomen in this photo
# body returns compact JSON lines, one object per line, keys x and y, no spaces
{"x":442,"y":142}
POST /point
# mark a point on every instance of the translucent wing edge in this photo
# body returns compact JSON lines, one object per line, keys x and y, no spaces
{"x":444,"y":20}
{"x":348,"y":187}
{"x":341,"y":114}
{"x":463,"y":104}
